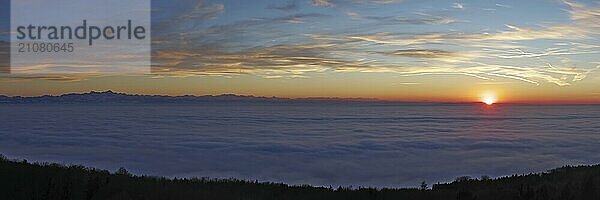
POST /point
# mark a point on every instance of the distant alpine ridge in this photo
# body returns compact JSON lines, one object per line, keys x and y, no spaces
{"x":113,"y":97}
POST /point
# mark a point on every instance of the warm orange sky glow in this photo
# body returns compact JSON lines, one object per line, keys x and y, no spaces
{"x":431,"y":88}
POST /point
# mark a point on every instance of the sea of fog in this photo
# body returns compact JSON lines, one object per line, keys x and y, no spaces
{"x":359,"y":144}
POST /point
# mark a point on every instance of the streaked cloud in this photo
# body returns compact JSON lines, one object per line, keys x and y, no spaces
{"x":407,"y":83}
{"x":433,"y":54}
{"x":458,"y":5}
{"x":322,"y":3}
{"x":503,"y":5}
{"x":203,"y":11}
{"x":289,"y":60}
{"x":420,"y":19}
{"x":333,"y":3}
{"x":12,"y":78}
{"x":295,"y":60}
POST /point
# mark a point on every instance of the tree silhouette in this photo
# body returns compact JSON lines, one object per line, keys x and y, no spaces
{"x":26,"y":181}
{"x":423,"y":186}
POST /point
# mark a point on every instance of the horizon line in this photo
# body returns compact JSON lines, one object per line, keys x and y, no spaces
{"x":317,"y":98}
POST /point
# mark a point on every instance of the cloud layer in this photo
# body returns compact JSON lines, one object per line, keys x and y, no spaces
{"x":335,"y":144}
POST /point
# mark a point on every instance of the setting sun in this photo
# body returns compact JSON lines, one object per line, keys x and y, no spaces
{"x":489,"y":98}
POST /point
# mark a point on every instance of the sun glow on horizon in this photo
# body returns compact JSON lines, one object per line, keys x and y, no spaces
{"x":489,"y":98}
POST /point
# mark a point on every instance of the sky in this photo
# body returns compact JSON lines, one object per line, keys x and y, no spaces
{"x":407,"y":50}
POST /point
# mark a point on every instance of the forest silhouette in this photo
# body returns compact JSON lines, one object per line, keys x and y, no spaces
{"x":45,"y":181}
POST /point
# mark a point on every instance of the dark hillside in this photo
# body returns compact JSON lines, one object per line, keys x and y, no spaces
{"x":23,"y":180}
